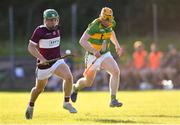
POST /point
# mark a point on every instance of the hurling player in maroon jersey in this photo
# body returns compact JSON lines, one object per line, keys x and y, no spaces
{"x":44,"y":45}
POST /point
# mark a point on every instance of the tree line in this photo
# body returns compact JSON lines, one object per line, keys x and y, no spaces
{"x":133,"y":17}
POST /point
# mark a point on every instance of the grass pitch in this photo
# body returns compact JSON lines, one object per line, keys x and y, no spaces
{"x":140,"y":107}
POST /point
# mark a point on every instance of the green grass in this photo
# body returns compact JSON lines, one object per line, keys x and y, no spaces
{"x":140,"y":107}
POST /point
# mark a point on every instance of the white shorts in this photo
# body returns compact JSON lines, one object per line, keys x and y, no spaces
{"x":97,"y":64}
{"x":46,"y":73}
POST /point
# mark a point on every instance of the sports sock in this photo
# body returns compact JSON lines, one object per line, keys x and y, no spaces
{"x":80,"y":84}
{"x":66,"y":99}
{"x":75,"y":89}
{"x":113,"y":97}
{"x":31,"y":104}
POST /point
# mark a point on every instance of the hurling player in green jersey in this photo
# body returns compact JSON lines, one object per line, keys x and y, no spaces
{"x":96,"y":41}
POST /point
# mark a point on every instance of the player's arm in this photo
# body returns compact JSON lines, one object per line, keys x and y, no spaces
{"x":114,"y":40}
{"x":85,"y":44}
{"x":33,"y":49}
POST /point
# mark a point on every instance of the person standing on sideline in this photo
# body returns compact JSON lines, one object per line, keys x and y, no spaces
{"x":45,"y":45}
{"x":154,"y":65}
{"x":96,"y":41}
{"x":140,"y":69}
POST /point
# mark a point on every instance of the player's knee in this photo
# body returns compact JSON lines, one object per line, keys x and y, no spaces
{"x":116,"y":72}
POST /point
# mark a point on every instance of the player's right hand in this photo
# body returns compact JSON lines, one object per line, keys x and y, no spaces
{"x":119,"y":51}
{"x":42,"y":61}
{"x":97,"y":54}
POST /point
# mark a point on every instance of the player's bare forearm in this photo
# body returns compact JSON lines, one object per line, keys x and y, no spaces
{"x":84,"y":43}
{"x":32,"y":48}
{"x":114,"y":40}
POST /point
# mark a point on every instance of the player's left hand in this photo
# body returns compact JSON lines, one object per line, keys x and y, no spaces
{"x":119,"y":51}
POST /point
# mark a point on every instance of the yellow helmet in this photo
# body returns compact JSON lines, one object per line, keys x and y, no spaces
{"x":106,"y":14}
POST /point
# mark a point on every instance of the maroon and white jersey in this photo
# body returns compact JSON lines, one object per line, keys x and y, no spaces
{"x":48,"y":42}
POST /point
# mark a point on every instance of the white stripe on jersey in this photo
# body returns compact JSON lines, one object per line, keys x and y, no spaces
{"x":49,"y":43}
{"x":32,"y":42}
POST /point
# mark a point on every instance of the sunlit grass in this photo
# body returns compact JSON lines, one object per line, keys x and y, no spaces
{"x":140,"y":107}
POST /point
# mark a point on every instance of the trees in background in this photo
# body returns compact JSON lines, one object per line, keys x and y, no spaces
{"x":134,"y":17}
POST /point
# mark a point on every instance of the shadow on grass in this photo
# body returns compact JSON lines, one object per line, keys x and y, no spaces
{"x":103,"y":120}
{"x":156,"y":116}
{"x":113,"y":121}
{"x":109,"y":120}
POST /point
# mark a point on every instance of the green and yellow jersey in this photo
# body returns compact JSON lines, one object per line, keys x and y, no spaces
{"x":99,"y":34}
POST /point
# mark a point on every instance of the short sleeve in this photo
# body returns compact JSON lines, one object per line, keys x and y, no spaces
{"x":92,"y":28}
{"x":36,"y":36}
{"x":113,"y":24}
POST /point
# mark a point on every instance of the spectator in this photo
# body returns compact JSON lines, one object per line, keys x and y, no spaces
{"x":171,"y":65}
{"x":140,"y":63}
{"x":154,"y":61}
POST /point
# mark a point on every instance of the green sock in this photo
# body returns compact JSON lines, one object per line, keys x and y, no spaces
{"x":75,"y":89}
{"x":113,"y":97}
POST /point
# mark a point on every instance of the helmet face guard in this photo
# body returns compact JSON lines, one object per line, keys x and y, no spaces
{"x":106,"y":14}
{"x":50,"y":14}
